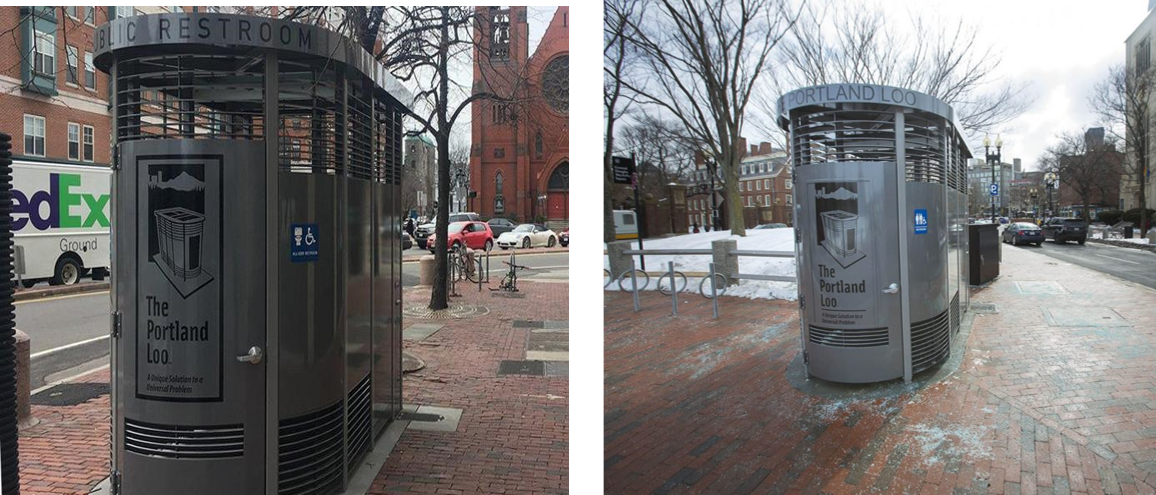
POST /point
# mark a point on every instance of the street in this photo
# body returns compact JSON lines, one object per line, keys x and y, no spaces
{"x":1129,"y":264}
{"x":69,"y":334}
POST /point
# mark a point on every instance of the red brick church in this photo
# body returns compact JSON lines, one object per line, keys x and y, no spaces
{"x":520,"y":158}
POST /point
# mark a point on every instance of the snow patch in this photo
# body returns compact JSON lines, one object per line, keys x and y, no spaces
{"x":956,"y":441}
{"x":762,"y":240}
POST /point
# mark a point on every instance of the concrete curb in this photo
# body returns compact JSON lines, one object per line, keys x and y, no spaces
{"x":1112,"y":242}
{"x":29,"y":294}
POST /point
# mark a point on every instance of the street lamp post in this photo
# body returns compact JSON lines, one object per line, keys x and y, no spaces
{"x":1050,"y":183}
{"x":711,"y":168}
{"x":993,"y":161}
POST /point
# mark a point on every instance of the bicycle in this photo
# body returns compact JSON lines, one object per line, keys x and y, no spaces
{"x":510,"y":280}
{"x":464,"y":265}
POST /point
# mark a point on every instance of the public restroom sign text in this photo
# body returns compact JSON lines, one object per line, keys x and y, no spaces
{"x":179,"y":329}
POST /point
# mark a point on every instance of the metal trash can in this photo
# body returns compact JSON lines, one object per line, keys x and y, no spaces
{"x":257,"y":288}
{"x":985,"y":253}
{"x":1129,"y":232}
{"x":881,"y":205}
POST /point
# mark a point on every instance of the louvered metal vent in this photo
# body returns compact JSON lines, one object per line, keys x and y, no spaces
{"x":843,"y":136}
{"x":923,"y":149}
{"x":929,"y":341}
{"x":310,"y":452}
{"x":184,"y":442}
{"x":856,"y":337}
{"x":359,"y":408}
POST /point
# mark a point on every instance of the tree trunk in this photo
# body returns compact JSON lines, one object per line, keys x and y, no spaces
{"x":439,"y":296}
{"x":738,"y":223}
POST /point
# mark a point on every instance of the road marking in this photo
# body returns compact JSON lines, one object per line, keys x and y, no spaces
{"x":66,"y":347}
{"x":1117,"y":259}
{"x":68,"y":379}
{"x":65,"y":296}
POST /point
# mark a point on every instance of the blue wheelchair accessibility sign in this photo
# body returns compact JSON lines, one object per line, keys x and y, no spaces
{"x":304,"y":242}
{"x":920,"y":221}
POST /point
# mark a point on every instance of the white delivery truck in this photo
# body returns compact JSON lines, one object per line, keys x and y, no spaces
{"x":60,"y":221}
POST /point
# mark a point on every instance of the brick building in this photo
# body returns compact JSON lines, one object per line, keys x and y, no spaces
{"x":519,"y":160}
{"x":55,"y":101}
{"x":420,"y":177}
{"x":764,"y":185}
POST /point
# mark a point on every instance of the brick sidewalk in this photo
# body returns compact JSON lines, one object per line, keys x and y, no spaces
{"x":695,"y":405}
{"x":513,"y":436}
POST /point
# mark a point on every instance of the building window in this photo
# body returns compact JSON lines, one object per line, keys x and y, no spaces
{"x":500,"y":35}
{"x":89,"y":134}
{"x":556,"y":83}
{"x":73,"y":64}
{"x":767,"y":183}
{"x":788,"y":183}
{"x":33,"y":135}
{"x":1144,"y":55}
{"x":788,"y":199}
{"x":538,"y":144}
{"x":758,"y":185}
{"x":89,"y":71}
{"x":73,"y":141}
{"x":44,"y":54}
{"x":499,"y":197}
{"x":124,"y":11}
{"x":89,"y":14}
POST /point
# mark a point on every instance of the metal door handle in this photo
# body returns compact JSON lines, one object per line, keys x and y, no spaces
{"x":253,"y":357}
{"x":891,"y":289}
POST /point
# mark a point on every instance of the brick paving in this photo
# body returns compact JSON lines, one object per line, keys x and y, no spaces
{"x":695,"y":405}
{"x":513,"y":435}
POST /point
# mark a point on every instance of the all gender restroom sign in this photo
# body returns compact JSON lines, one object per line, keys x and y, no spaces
{"x":180,"y":328}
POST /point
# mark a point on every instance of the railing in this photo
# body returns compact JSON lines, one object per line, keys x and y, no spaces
{"x":719,"y":280}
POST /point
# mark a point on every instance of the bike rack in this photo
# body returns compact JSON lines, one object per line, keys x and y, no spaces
{"x":718,"y":286}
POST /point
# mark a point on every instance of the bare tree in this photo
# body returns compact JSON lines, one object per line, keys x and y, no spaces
{"x":616,"y":59}
{"x":700,"y":63}
{"x":856,"y":42}
{"x":1090,"y":168}
{"x":664,"y":154}
{"x":1122,"y":102}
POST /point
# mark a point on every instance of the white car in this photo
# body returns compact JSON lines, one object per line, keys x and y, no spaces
{"x":526,"y":236}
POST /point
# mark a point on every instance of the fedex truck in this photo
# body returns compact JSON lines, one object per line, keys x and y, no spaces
{"x":60,"y":221}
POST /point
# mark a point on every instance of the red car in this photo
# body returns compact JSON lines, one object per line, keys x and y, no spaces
{"x":475,"y":235}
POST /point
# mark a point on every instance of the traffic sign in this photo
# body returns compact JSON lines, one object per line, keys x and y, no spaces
{"x":995,"y":189}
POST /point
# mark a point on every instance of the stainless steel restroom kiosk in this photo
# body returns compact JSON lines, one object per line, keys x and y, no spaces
{"x":880,"y":229}
{"x":257,"y":257}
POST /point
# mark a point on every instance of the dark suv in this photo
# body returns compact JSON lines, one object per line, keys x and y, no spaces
{"x":1062,"y":230}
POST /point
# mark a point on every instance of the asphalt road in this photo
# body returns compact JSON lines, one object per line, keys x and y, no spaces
{"x":1129,"y":264}
{"x":71,"y":332}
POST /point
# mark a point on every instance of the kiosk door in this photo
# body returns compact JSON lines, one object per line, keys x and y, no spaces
{"x":850,"y":270}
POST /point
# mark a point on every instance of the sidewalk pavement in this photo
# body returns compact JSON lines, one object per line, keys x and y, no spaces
{"x":1056,"y":393}
{"x":512,"y":436}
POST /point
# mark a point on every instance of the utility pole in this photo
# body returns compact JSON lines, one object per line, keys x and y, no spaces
{"x":993,"y":161}
{"x":638,"y":212}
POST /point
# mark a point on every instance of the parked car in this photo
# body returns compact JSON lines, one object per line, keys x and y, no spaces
{"x":1022,"y":233}
{"x":406,"y":241}
{"x":527,"y":236}
{"x":474,"y":235}
{"x":423,"y":231}
{"x":1003,"y":220}
{"x":1062,"y":230}
{"x":564,"y":237}
{"x":500,"y":226}
{"x":766,"y":226}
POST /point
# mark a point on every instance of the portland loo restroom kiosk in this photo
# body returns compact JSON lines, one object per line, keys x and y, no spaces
{"x":880,"y":217}
{"x":257,"y":257}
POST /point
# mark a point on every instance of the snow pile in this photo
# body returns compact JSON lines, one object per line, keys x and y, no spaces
{"x":1140,"y":240}
{"x":760,"y":240}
